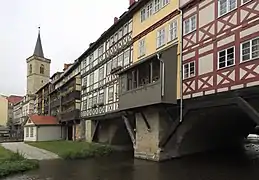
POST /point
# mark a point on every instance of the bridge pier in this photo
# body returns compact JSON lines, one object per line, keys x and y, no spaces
{"x":151,"y":125}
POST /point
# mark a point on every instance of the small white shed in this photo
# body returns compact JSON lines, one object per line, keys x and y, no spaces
{"x":42,"y":128}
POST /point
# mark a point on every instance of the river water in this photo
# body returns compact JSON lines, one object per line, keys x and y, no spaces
{"x":238,"y":165}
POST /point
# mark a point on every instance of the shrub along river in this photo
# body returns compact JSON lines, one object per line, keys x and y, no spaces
{"x":239,"y":165}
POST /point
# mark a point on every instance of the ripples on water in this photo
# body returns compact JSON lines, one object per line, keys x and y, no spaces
{"x":240,"y":165}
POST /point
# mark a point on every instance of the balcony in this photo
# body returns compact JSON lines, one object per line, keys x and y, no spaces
{"x":70,"y":115}
{"x":71,"y":97}
{"x":150,"y":81}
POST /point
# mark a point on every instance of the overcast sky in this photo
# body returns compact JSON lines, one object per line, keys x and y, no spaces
{"x":67,"y":28}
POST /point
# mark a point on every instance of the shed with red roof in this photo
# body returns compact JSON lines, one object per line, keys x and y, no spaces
{"x":43,"y":128}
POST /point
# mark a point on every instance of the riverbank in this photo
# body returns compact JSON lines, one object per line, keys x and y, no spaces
{"x":12,"y":163}
{"x":73,"y":149}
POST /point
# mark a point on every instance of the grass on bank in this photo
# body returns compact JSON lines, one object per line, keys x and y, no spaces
{"x":11,"y":163}
{"x":73,"y":149}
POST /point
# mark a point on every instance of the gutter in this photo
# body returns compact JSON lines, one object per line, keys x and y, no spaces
{"x":181,"y":64}
{"x":162,"y":74}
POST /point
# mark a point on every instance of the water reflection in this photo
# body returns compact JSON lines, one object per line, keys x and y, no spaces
{"x":213,"y":166}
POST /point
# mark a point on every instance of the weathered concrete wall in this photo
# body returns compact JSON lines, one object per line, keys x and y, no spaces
{"x":147,"y":141}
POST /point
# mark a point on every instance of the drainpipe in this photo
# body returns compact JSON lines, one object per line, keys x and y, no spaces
{"x":162,"y":74}
{"x":181,"y":65}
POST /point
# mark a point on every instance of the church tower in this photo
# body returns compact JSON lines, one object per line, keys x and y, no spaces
{"x":38,"y":68}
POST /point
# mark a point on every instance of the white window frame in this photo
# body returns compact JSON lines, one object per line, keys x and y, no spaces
{"x":165,"y":2}
{"x":149,"y":10}
{"x":159,"y":41}
{"x":188,"y":65}
{"x":158,"y":5}
{"x":31,"y":132}
{"x":227,"y":7}
{"x":226,"y":60}
{"x":172,"y":31}
{"x":250,"y":50}
{"x":142,"y":48}
{"x":190,"y":29}
{"x":143,"y":14}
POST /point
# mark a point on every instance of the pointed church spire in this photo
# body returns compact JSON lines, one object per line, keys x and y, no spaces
{"x":38,"y":51}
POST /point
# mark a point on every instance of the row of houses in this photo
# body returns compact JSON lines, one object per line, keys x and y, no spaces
{"x":158,"y":52}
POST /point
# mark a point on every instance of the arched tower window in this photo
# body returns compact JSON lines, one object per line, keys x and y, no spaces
{"x":30,"y":69}
{"x":42,"y":69}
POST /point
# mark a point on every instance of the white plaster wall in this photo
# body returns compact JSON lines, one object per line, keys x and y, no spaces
{"x":49,"y":133}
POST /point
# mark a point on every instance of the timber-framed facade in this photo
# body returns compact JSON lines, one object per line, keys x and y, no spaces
{"x":112,"y":52}
{"x":220,"y":46}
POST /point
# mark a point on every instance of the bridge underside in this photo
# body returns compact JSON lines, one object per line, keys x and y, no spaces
{"x":209,"y":123}
{"x":156,"y":133}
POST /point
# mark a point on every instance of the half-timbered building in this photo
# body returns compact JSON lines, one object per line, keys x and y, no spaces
{"x":110,"y":53}
{"x":220,"y":46}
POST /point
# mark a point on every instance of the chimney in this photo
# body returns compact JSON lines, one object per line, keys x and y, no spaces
{"x":66,"y":66}
{"x":116,"y":20}
{"x":131,"y":2}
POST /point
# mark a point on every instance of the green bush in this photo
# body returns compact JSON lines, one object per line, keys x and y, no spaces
{"x":91,"y":151}
{"x":16,"y":163}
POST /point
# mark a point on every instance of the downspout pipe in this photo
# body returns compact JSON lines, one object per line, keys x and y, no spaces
{"x":162,"y":74}
{"x":181,"y":63}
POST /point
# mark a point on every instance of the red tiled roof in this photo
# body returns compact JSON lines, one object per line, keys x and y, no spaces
{"x":43,"y":120}
{"x":14,"y":99}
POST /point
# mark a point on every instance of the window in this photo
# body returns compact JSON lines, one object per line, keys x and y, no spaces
{"x":116,"y":37}
{"x":101,"y":98}
{"x":101,"y":73}
{"x":95,"y":100}
{"x":91,"y":59}
{"x":90,"y":103}
{"x":110,"y":93}
{"x":120,"y":60}
{"x":84,"y":81}
{"x":30,"y":68}
{"x":160,"y":38}
{"x":109,"y":66}
{"x":100,"y":51}
{"x":226,"y":6}
{"x":114,"y":62}
{"x":141,"y":47}
{"x":165,"y":2}
{"x":31,"y":132}
{"x":189,"y":70}
{"x":149,"y":9}
{"x":250,"y":49}
{"x":143,"y":15}
{"x":91,"y":80}
{"x":126,"y":28}
{"x":126,"y":58}
{"x":27,"y":131}
{"x":120,"y":34}
{"x":41,"y":69}
{"x":157,"y":5}
{"x":190,"y":24}
{"x":226,"y":58}
{"x":173,"y":30}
